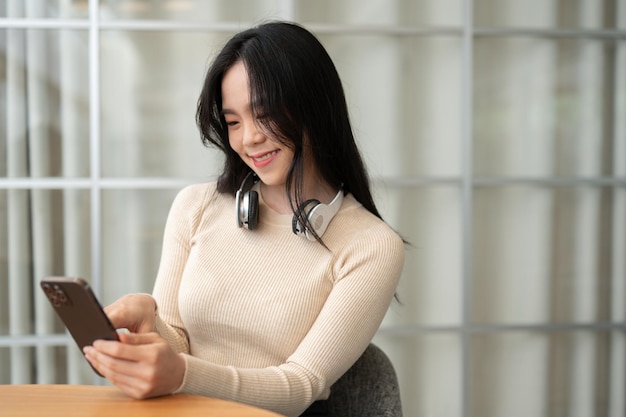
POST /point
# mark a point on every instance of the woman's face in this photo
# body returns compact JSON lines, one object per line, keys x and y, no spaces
{"x":266,"y":156}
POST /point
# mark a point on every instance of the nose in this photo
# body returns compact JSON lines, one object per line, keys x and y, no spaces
{"x":252,"y":134}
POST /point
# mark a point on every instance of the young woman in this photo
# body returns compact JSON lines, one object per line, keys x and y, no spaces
{"x":275,"y":278}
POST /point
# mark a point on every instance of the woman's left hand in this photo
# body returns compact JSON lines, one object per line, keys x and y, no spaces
{"x":141,"y":364}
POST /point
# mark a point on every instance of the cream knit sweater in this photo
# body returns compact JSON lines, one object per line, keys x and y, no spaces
{"x":266,"y":317}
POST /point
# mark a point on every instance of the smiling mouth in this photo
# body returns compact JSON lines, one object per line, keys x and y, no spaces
{"x":264,"y":157}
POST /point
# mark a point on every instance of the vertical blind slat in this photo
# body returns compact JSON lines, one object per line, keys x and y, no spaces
{"x":19,"y":247}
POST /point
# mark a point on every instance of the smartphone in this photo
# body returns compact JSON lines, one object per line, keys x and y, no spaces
{"x":79,"y":309}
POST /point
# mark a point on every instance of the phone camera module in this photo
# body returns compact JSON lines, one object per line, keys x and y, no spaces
{"x":56,"y":295}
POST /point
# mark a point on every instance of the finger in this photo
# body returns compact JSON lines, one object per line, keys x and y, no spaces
{"x":140,"y":338}
{"x":116,"y":348}
{"x":134,"y":347}
{"x":116,"y":315}
{"x":91,"y":357}
{"x":133,"y":311}
{"x":101,"y":359}
{"x":120,"y":373}
{"x":109,"y":366}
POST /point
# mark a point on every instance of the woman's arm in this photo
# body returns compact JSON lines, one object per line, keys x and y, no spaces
{"x":180,"y":227}
{"x":146,"y":364}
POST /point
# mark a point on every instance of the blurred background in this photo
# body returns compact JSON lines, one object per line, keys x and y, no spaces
{"x":494,"y":132}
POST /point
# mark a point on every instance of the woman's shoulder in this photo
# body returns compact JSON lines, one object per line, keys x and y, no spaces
{"x":353,"y":213}
{"x":194,"y":197}
{"x":197,"y":190}
{"x":356,"y":223}
{"x":195,"y":202}
{"x":360,"y":240}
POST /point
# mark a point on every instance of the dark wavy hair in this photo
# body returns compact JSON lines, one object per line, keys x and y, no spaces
{"x":297,"y":96}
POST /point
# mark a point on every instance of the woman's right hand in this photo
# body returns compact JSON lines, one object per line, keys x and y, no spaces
{"x":135,"y":312}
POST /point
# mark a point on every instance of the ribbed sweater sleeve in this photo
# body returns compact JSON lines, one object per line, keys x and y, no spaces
{"x":265,"y":317}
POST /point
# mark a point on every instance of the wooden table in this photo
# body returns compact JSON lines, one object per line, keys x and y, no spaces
{"x":100,"y":401}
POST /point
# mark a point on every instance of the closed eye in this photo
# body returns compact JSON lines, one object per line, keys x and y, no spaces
{"x":230,"y":117}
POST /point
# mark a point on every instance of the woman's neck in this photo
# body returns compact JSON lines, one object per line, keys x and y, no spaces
{"x":276,"y":197}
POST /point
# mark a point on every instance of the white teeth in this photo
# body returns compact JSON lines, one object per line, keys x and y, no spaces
{"x":266,"y":156}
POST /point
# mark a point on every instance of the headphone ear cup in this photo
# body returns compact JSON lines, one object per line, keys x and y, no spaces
{"x":303,"y":211}
{"x":317,"y":216}
{"x":247,"y":203}
{"x":253,"y":209}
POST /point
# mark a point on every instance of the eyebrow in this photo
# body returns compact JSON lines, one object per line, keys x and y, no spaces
{"x":225,"y":112}
{"x":228,"y":111}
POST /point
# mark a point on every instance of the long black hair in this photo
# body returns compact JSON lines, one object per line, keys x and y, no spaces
{"x":296,"y":94}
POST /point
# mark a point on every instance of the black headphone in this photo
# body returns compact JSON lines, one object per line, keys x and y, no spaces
{"x":317,"y":214}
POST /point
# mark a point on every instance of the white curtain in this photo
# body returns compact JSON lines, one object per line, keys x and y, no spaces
{"x":18,"y":230}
